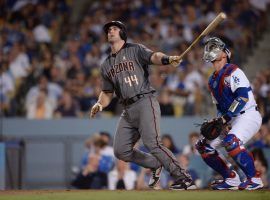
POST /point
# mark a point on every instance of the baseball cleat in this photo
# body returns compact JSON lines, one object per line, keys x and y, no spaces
{"x":254,"y":183}
{"x":231,"y":183}
{"x":216,"y":181}
{"x":224,"y":186}
{"x":155,"y":178}
{"x":183,"y":184}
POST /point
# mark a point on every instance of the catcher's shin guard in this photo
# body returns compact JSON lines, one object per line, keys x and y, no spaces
{"x":212,"y":159}
{"x":240,"y":155}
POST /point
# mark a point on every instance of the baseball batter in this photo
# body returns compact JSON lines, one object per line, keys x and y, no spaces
{"x":125,"y":72}
{"x":236,"y":105}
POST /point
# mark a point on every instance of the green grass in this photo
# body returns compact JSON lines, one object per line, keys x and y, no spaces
{"x":134,"y":195}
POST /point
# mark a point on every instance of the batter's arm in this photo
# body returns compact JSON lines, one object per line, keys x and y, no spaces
{"x":159,"y":58}
{"x":104,"y":100}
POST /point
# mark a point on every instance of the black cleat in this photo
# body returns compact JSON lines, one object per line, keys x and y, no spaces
{"x":183,"y":184}
{"x":216,"y":182}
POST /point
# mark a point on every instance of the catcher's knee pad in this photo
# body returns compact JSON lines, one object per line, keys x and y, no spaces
{"x":232,"y":144}
{"x":204,"y":148}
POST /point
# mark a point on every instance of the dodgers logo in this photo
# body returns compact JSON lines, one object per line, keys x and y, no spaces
{"x":236,"y":80}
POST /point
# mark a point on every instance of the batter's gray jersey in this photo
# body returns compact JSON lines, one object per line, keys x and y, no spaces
{"x":126,"y":72}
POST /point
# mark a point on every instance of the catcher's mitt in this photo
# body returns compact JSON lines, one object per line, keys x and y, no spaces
{"x":212,"y":129}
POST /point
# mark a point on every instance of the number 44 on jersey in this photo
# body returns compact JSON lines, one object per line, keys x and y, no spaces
{"x":131,"y":80}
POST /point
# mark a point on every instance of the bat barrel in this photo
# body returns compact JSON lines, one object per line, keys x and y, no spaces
{"x":221,"y":16}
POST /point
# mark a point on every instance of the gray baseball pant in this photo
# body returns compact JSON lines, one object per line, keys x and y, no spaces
{"x":142,"y":120}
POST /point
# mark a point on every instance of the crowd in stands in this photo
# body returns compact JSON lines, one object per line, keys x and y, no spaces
{"x":50,"y":61}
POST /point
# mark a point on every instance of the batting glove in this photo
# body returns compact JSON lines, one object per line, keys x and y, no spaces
{"x":95,"y":109}
{"x":175,"y":60}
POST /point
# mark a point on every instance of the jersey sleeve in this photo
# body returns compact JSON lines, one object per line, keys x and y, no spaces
{"x":144,"y":54}
{"x":107,"y":85}
{"x":238,"y":79}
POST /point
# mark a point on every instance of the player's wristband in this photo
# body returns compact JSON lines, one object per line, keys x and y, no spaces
{"x":165,"y":60}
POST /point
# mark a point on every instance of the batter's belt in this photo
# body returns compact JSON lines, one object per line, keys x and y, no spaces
{"x":129,"y":101}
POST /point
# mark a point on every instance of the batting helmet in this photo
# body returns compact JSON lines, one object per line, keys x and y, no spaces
{"x":121,"y":25}
{"x":212,"y":49}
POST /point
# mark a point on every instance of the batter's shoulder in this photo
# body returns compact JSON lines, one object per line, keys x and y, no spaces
{"x":129,"y":45}
{"x":105,"y":63}
{"x":106,"y":60}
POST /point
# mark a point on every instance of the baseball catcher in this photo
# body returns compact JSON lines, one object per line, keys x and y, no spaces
{"x":232,"y":94}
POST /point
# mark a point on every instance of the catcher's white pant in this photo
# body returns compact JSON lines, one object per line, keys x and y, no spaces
{"x":244,"y":127}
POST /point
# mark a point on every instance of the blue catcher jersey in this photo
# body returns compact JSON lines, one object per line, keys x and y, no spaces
{"x":224,"y":83}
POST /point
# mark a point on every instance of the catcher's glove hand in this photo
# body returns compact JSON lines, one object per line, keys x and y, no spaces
{"x":212,"y":129}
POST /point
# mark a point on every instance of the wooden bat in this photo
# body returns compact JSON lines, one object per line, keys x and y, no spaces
{"x":221,"y":16}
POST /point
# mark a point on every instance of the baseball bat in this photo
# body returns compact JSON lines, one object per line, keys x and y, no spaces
{"x":221,"y":16}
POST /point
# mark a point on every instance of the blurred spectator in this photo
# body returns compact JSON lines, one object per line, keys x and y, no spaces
{"x":193,"y":84}
{"x":106,"y":137}
{"x":94,"y":172}
{"x":88,"y":144}
{"x":167,"y":141}
{"x":54,"y":91}
{"x":190,"y":149}
{"x":97,"y":162}
{"x":41,"y":33}
{"x":166,"y":106}
{"x":7,"y":86}
{"x":19,"y":63}
{"x":67,"y":107}
{"x":40,"y":107}
{"x":122,"y":177}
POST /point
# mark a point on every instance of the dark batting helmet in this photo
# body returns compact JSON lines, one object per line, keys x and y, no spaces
{"x":121,"y":25}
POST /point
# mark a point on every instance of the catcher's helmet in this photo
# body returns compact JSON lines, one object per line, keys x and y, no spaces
{"x":212,"y":49}
{"x":119,"y":24}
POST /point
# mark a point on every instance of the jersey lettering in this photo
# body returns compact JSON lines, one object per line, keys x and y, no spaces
{"x":122,"y":66}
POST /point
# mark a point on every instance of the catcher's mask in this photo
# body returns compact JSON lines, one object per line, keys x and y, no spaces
{"x":213,"y":48}
{"x":121,"y":25}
